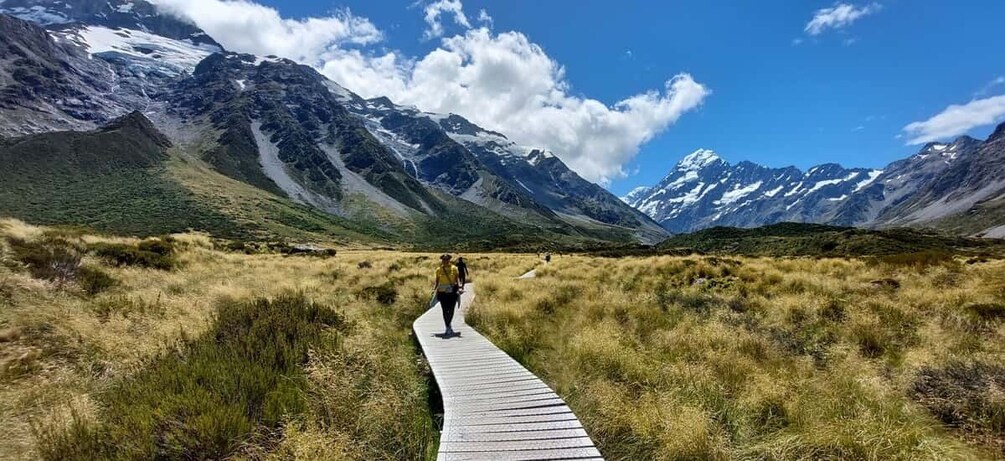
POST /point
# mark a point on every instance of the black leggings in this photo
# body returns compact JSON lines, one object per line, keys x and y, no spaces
{"x":448,"y":301}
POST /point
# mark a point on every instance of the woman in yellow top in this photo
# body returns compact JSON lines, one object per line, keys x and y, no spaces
{"x":448,"y":290}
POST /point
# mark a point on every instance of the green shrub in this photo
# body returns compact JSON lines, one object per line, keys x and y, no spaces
{"x":152,"y":254}
{"x":51,"y":259}
{"x":234,"y":385}
{"x":93,"y":280}
{"x":385,"y":294}
{"x":965,"y":395}
{"x":987,"y":312}
{"x":921,"y":259}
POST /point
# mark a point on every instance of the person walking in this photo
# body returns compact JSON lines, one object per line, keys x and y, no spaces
{"x":448,"y":290}
{"x":462,"y":271}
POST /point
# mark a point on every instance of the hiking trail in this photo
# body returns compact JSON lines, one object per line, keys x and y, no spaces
{"x":494,"y":408}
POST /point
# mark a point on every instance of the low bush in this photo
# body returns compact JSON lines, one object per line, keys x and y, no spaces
{"x":921,"y":259}
{"x":94,"y":280}
{"x":152,"y":254}
{"x":987,"y":312}
{"x":385,"y":294}
{"x":965,"y":395}
{"x":50,"y":259}
{"x":230,"y":388}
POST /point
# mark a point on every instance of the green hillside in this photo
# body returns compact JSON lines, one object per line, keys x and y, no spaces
{"x":798,"y":239}
{"x":128,"y":179}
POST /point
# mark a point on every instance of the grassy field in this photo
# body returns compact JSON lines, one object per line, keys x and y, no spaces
{"x":176,"y":348}
{"x":759,"y":358}
{"x":204,"y":353}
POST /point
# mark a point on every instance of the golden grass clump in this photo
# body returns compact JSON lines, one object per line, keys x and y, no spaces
{"x":754,"y":358}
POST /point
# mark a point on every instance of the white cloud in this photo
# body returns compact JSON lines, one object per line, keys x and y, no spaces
{"x":503,"y":82}
{"x":484,"y":18}
{"x":507,"y":83}
{"x":957,"y":119}
{"x":252,"y":28}
{"x":839,"y":16}
{"x":435,"y":9}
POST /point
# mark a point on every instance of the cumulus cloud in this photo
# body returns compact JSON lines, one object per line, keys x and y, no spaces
{"x":252,"y":28}
{"x":507,"y":83}
{"x":957,"y":119}
{"x":501,"y":81}
{"x":436,"y":9}
{"x":839,"y":16}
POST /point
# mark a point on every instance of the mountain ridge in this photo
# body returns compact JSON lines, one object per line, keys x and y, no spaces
{"x":937,"y":187}
{"x":285,"y":129}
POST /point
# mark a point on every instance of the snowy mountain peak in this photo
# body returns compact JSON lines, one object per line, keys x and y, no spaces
{"x":697,"y":160}
{"x":635,"y":195}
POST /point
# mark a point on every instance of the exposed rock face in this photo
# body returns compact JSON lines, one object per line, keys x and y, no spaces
{"x":943,"y":182}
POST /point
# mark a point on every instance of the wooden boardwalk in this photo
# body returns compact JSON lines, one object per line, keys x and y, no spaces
{"x":494,"y":408}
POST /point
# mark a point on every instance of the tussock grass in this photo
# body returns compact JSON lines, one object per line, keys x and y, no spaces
{"x":110,"y":374}
{"x":212,"y":395}
{"x":764,"y":358}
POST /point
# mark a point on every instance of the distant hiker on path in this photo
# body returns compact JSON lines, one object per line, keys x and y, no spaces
{"x":462,"y":271}
{"x":448,"y":290}
{"x":547,"y":257}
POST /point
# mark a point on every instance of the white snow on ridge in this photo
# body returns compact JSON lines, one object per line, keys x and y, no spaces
{"x":154,"y":51}
{"x":37,"y":14}
{"x":241,"y":84}
{"x":340,"y":92}
{"x":794,"y":190}
{"x":830,"y":182}
{"x":697,"y":160}
{"x":773,"y":192}
{"x":125,"y":8}
{"x":261,"y":59}
{"x":838,"y":199}
{"x":872,"y":177}
{"x":737,"y":193}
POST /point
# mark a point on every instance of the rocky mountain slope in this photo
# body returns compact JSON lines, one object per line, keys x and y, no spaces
{"x":286,"y":130}
{"x":957,"y":186}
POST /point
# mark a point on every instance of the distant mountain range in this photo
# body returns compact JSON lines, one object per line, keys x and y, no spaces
{"x":957,"y":186}
{"x":285,"y":131}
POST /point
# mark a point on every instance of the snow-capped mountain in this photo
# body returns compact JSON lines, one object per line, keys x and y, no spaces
{"x":285,"y":128}
{"x":941,"y":182}
{"x":438,"y":148}
{"x":703,"y":190}
{"x":92,"y":62}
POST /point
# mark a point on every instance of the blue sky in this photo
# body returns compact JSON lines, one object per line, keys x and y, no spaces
{"x":779,"y":95}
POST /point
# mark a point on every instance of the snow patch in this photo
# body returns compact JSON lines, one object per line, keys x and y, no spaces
{"x":524,"y":186}
{"x":38,"y":14}
{"x":830,"y":182}
{"x":146,"y":50}
{"x":872,"y":178}
{"x":737,"y":193}
{"x":241,"y":84}
{"x":697,"y":160}
{"x":773,"y":192}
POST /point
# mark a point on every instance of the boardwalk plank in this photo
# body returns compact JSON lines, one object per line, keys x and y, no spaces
{"x":494,"y":408}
